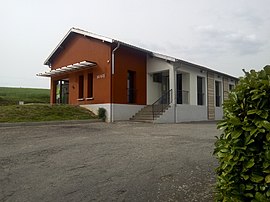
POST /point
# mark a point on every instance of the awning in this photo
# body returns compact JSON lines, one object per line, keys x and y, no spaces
{"x":69,"y":68}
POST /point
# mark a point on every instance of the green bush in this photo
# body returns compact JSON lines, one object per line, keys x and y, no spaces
{"x":243,"y":149}
{"x":102,"y":113}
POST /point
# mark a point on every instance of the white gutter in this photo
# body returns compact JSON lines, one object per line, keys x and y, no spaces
{"x":112,"y":73}
{"x":118,"y":45}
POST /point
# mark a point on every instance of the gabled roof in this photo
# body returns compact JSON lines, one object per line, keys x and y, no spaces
{"x":78,"y":31}
{"x":89,"y":34}
{"x":110,"y":40}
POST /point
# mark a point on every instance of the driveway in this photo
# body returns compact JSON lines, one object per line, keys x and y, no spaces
{"x":107,"y":162}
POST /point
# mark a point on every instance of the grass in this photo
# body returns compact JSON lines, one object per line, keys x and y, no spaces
{"x":36,"y":113}
{"x":11,"y":96}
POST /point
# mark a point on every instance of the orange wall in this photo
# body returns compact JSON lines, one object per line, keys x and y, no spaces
{"x":129,"y":59}
{"x":79,"y":48}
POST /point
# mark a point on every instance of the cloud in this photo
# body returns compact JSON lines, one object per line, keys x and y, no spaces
{"x":233,"y":41}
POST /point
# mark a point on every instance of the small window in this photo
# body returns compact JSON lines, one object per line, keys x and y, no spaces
{"x":81,"y":86}
{"x":231,"y":87}
{"x":90,"y":85}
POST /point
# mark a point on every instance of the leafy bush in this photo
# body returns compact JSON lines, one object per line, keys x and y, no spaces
{"x":243,"y":149}
{"x":102,"y":113}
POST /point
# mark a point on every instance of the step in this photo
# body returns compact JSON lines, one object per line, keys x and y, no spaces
{"x":146,"y":113}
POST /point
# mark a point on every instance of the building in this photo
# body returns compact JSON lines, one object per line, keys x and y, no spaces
{"x":95,"y":71}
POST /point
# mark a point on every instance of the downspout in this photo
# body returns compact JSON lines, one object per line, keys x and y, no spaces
{"x":112,"y":73}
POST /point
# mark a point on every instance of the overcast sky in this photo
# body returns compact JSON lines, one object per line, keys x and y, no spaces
{"x":225,"y":35}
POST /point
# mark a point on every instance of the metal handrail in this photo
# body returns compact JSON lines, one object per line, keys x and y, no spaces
{"x":164,"y":101}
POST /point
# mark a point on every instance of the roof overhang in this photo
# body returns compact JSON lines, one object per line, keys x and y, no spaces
{"x":164,"y":57}
{"x":77,"y":66}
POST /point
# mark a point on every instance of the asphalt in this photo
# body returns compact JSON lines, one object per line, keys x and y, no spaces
{"x":81,"y":161}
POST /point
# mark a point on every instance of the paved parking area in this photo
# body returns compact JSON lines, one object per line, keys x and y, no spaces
{"x":107,"y":162}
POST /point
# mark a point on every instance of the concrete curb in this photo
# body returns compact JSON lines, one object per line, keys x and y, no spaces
{"x":44,"y":123}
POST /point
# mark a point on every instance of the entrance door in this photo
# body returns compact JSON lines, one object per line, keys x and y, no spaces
{"x":65,"y":92}
{"x":131,"y":87}
{"x":62,"y":92}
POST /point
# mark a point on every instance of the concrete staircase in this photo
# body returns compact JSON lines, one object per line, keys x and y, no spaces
{"x":146,"y":113}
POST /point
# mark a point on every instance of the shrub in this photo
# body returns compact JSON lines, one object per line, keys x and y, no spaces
{"x":243,"y":149}
{"x":102,"y":113}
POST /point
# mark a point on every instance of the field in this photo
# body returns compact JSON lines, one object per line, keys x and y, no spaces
{"x":36,"y":107}
{"x":11,"y":96}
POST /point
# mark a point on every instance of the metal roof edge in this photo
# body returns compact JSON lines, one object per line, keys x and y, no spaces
{"x":207,"y":69}
{"x":164,"y":57}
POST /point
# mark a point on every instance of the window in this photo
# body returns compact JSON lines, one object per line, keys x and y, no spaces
{"x":200,"y":90}
{"x":131,"y":92}
{"x":231,"y":87}
{"x":90,"y":85}
{"x":179,"y":89}
{"x":81,"y":86}
{"x":218,"y":93}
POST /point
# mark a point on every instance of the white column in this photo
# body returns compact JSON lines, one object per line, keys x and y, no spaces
{"x":172,"y":83}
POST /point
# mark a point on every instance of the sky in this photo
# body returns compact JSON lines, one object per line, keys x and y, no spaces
{"x":224,"y":35}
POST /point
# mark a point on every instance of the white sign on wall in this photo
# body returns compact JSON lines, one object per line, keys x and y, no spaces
{"x":101,"y":76}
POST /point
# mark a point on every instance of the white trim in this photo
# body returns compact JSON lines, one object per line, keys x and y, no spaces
{"x":96,"y":36}
{"x":76,"y":66}
{"x":164,"y":57}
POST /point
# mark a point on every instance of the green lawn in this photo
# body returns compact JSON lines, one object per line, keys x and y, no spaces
{"x":11,"y":96}
{"x":30,"y":113}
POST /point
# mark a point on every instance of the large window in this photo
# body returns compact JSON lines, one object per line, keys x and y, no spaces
{"x":182,"y":86}
{"x":200,"y":90}
{"x":81,"y":86}
{"x":90,"y":85}
{"x":218,"y":93}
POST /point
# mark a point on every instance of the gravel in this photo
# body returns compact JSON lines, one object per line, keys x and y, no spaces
{"x":122,"y":161}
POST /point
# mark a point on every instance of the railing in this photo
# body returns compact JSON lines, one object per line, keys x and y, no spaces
{"x":182,"y":97}
{"x":162,"y":103}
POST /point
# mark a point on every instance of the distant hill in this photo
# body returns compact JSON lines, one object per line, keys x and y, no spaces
{"x":9,"y":96}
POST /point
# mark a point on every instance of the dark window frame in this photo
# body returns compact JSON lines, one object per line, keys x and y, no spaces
{"x":81,"y":87}
{"x":200,"y":95}
{"x":90,"y":85}
{"x":218,"y":93}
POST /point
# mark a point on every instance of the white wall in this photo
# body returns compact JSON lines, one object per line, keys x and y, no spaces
{"x":167,"y":117}
{"x":193,"y":73}
{"x":218,"y":113}
{"x":125,"y":111}
{"x":155,"y":65}
{"x":186,"y":113}
{"x":120,"y":111}
{"x":94,"y":108}
{"x":153,"y":89}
